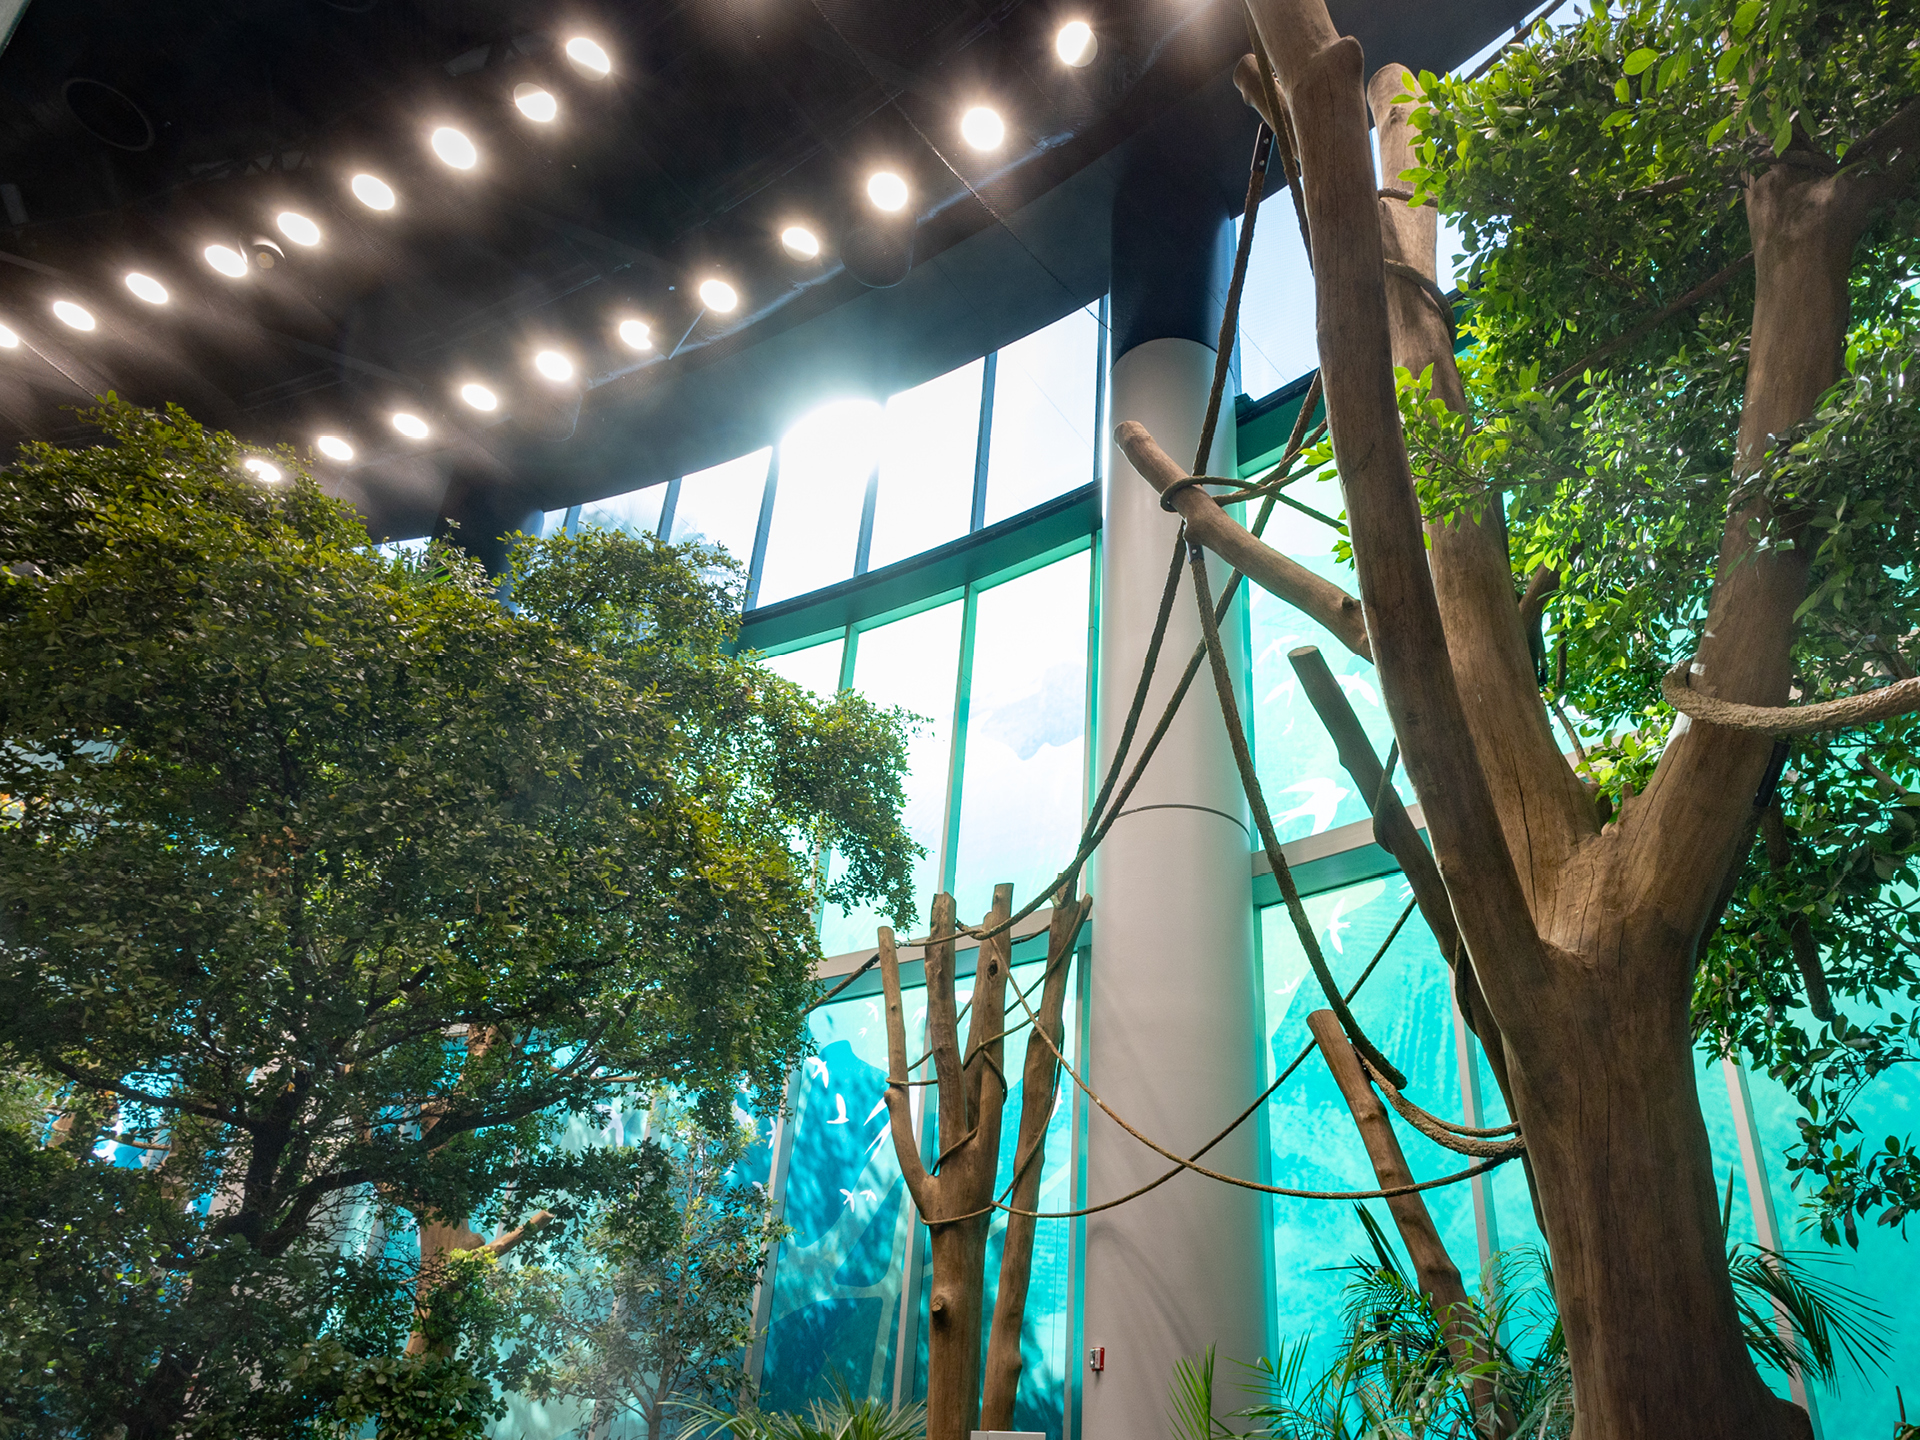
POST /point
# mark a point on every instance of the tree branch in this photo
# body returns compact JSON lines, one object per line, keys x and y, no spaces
{"x":899,"y":1103}
{"x":1219,"y":532}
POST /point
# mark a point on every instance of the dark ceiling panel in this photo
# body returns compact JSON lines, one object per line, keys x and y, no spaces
{"x":134,"y":133}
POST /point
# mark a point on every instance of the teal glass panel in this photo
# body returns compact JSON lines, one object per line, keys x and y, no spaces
{"x":825,"y":462}
{"x":1406,"y":1008}
{"x":911,"y":663}
{"x":1884,"y":1270}
{"x":1277,"y":339}
{"x":835,"y":1313}
{"x":1022,"y":791}
{"x":637,"y":512}
{"x":721,"y":506}
{"x":1044,"y":393}
{"x":927,"y":444}
{"x":552,"y":522}
{"x":816,"y":668}
{"x":1306,"y":790}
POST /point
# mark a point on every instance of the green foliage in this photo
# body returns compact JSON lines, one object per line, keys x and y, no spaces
{"x":405,"y":1397}
{"x":338,"y":887}
{"x":842,"y":1418}
{"x":660,"y":1307}
{"x":1395,"y":1377}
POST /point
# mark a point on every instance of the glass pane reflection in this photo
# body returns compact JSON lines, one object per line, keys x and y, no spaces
{"x":1044,"y":389}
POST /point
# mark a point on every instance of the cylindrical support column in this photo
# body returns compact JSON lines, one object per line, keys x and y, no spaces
{"x":1173,"y":1042}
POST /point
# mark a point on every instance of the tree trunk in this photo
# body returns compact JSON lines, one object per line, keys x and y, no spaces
{"x":1037,"y":1089}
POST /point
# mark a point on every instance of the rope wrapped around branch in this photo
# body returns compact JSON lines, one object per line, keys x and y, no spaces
{"x":1461,"y":1139}
{"x":1900,"y":698}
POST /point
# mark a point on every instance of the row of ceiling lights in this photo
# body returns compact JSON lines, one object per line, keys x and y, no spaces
{"x":980,"y":127}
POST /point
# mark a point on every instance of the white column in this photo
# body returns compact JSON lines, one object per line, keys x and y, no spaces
{"x":1172,"y":1038}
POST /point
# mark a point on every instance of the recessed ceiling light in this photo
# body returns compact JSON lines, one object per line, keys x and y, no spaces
{"x":410,"y":425}
{"x":8,"y":340}
{"x":298,"y":228}
{"x":147,"y":288}
{"x":800,"y":242}
{"x":454,"y":147}
{"x":373,"y":192}
{"x":588,"y":55}
{"x":887,"y":190}
{"x":636,"y":334}
{"x":553,"y":365}
{"x":982,"y":128}
{"x":1075,"y":43}
{"x":333,"y":447}
{"x":718,"y":295}
{"x":72,"y":314}
{"x":534,"y":102}
{"x":226,"y":259}
{"x":261,"y":470}
{"x":479,"y":397}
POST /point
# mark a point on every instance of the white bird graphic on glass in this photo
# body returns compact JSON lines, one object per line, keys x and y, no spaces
{"x":1358,"y":685}
{"x":840,"y":1110}
{"x":848,"y":1196}
{"x":817,"y":1066}
{"x":1323,"y":798}
{"x":878,"y":1106}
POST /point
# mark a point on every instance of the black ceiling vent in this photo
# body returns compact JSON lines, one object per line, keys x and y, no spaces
{"x":879,"y":253}
{"x":106,"y":114}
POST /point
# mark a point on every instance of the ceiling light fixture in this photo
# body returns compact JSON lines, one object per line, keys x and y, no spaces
{"x":410,"y":425}
{"x":588,"y":55}
{"x":147,"y":288}
{"x":636,"y":334}
{"x":479,"y":397}
{"x":719,"y":296}
{"x":800,"y":242}
{"x":227,"y":260}
{"x":553,"y":365}
{"x":982,"y":128}
{"x":297,"y":227}
{"x":261,"y":470}
{"x":373,"y":192}
{"x":8,"y":340}
{"x":1075,"y":44}
{"x":454,"y":147}
{"x":887,"y":190}
{"x":333,"y":447}
{"x":69,"y":313}
{"x":534,"y":102}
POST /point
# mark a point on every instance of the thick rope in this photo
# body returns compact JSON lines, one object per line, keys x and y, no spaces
{"x":1263,"y":822}
{"x":1461,"y":1139}
{"x":1900,"y":698}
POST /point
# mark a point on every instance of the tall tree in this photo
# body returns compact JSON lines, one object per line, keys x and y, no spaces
{"x":333,"y":884}
{"x":1666,"y":471}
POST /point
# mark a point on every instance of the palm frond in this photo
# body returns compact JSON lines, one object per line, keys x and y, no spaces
{"x":1826,"y":1321}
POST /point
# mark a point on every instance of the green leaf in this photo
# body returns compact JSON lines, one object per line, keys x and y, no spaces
{"x":1639,"y":60}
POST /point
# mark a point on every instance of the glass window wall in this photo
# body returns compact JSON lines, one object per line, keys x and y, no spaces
{"x":721,"y":505}
{"x":820,"y":492}
{"x":927,"y":451}
{"x":1045,"y":394}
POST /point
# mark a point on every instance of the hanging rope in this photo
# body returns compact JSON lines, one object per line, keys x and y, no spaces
{"x":1900,"y":698}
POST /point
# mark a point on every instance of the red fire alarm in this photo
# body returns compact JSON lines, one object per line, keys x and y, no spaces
{"x":1097,"y":1358}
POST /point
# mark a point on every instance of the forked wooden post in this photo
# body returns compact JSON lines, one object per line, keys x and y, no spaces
{"x":972,"y":1094}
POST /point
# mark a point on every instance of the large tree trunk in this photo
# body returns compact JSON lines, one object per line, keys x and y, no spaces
{"x":1582,"y":939}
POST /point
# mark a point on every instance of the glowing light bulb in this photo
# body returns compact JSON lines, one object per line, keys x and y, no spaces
{"x":261,"y":470}
{"x":454,"y":147}
{"x":333,"y":447}
{"x":373,"y":192}
{"x":800,"y":242}
{"x":69,"y":313}
{"x":887,"y":190}
{"x":8,"y":340}
{"x":719,"y":296}
{"x":588,"y":55}
{"x":1075,"y":43}
{"x":479,"y":397}
{"x":636,"y":334}
{"x":147,"y":288}
{"x":983,"y":128}
{"x":553,"y":365}
{"x":410,"y":425}
{"x":534,"y":102}
{"x":227,"y":260}
{"x":297,"y":227}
